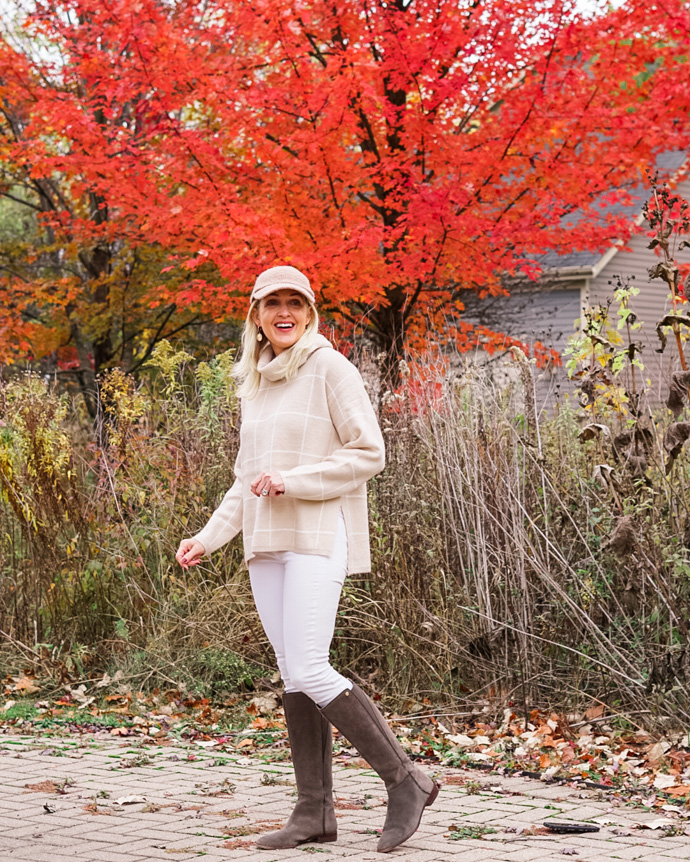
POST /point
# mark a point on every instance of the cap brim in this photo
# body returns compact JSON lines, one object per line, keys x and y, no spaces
{"x":272,"y":288}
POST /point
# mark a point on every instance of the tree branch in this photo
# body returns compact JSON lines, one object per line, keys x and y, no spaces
{"x":21,"y":201}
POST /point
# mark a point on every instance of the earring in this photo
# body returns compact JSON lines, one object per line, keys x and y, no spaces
{"x":260,"y":335}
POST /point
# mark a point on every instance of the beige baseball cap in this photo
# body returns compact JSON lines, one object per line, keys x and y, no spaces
{"x":281,"y":278}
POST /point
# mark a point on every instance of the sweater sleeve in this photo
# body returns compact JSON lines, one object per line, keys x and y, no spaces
{"x":226,"y":522}
{"x":362,"y":453}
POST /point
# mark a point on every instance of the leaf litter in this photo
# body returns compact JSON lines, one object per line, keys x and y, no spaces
{"x":585,"y":750}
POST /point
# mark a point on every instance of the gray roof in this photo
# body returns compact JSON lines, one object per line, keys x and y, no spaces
{"x":667,"y":164}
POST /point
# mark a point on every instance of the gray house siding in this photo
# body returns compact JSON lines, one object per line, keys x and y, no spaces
{"x":533,"y":315}
{"x":551,"y":319}
{"x":546,"y":315}
{"x":548,"y":310}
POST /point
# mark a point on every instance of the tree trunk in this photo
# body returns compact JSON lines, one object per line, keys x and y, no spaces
{"x":388,"y":329}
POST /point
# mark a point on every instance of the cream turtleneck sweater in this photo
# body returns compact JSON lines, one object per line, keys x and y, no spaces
{"x":319,"y":431}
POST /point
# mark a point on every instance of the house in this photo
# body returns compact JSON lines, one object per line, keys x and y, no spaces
{"x":548,"y":310}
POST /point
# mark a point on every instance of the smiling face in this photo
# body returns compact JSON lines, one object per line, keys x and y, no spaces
{"x":283,"y":315}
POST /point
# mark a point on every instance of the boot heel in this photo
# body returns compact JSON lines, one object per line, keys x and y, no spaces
{"x":433,"y":794}
{"x":330,"y":836}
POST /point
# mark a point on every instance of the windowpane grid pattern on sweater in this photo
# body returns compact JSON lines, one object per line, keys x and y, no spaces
{"x":319,"y":431}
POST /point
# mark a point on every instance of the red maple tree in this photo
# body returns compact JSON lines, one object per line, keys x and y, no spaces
{"x":399,"y":152}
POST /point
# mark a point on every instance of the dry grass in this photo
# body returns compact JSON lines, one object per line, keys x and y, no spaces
{"x":506,"y":570}
{"x":508,"y":565}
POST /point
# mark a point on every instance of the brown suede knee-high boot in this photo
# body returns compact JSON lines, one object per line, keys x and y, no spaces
{"x":311,"y":743}
{"x":409,"y":789}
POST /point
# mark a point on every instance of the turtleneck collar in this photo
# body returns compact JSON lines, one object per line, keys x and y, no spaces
{"x":273,"y":367}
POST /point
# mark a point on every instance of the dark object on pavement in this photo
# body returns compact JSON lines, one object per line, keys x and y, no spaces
{"x":564,"y":826}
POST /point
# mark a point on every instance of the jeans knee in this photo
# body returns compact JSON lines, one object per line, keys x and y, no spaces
{"x":308,"y":678}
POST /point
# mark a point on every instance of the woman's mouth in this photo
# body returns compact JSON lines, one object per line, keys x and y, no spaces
{"x":284,"y":327}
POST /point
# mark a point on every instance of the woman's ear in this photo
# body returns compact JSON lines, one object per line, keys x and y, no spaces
{"x":255,"y":316}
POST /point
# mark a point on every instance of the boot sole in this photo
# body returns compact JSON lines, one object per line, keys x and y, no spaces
{"x":430,"y":801}
{"x":432,"y":796}
{"x":315,"y":839}
{"x":324,"y":839}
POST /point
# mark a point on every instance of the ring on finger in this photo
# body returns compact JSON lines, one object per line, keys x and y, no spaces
{"x":264,"y":493}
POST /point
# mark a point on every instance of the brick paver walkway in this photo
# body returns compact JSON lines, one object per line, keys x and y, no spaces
{"x":198,"y":803}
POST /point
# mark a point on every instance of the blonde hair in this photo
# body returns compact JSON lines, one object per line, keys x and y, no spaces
{"x":246,"y":369}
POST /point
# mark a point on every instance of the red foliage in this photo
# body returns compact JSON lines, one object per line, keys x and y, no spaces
{"x":401,"y":153}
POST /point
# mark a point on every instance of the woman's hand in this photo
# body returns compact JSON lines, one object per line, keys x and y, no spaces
{"x":189,"y":553}
{"x":268,"y":485}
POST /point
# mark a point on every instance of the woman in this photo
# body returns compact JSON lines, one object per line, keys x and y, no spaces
{"x":309,"y":440}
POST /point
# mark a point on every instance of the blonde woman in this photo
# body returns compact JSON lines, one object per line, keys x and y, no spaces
{"x":309,"y":441}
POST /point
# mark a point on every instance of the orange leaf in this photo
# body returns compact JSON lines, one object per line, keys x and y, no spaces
{"x":678,"y":790}
{"x":26,"y":684}
{"x":567,"y":755}
{"x":46,"y":786}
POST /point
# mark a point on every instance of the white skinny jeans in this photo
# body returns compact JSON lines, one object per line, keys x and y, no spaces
{"x":297,"y":598}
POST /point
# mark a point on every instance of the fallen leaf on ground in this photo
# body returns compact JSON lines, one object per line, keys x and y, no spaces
{"x":679,"y":790}
{"x":263,"y":704}
{"x":529,"y":830}
{"x":655,"y":824}
{"x":456,"y":779}
{"x":237,"y":844}
{"x":25,"y":685}
{"x":132,"y":799}
{"x":107,"y":679}
{"x":92,"y":808}
{"x":46,"y":786}
{"x":658,"y":750}
{"x":349,"y":804}
{"x":461,"y":740}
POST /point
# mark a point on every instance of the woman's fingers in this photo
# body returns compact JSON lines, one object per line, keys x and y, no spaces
{"x":268,"y":485}
{"x":277,"y":486}
{"x":189,"y":553}
{"x":257,"y":485}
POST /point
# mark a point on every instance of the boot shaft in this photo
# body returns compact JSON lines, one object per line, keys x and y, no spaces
{"x":356,"y":717}
{"x":311,"y":745}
